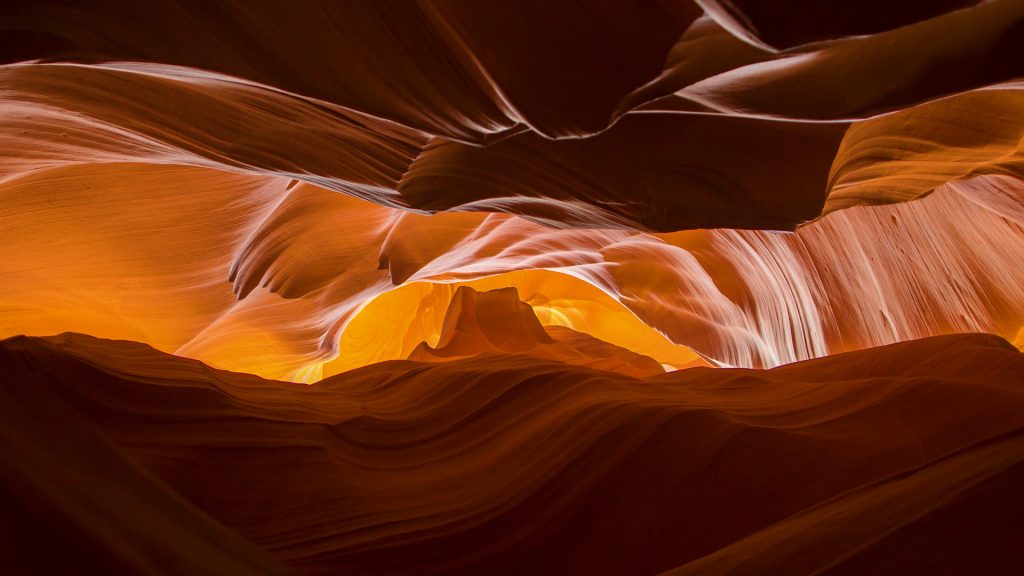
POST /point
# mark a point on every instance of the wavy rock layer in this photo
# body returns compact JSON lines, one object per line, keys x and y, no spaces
{"x":868,"y":462}
{"x":653,"y":116}
{"x":295,"y":154}
{"x":145,"y":253}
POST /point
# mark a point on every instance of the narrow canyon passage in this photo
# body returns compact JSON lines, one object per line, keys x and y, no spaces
{"x":484,"y":287}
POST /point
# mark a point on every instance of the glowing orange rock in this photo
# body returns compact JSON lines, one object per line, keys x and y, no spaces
{"x":498,"y":322}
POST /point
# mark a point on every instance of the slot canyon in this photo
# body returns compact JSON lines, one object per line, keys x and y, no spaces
{"x":431,"y":287}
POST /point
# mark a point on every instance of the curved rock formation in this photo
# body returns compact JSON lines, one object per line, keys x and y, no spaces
{"x":666,"y":122}
{"x":498,"y":322}
{"x":794,"y":22}
{"x":302,"y":277}
{"x":485,"y":231}
{"x":505,"y":464}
